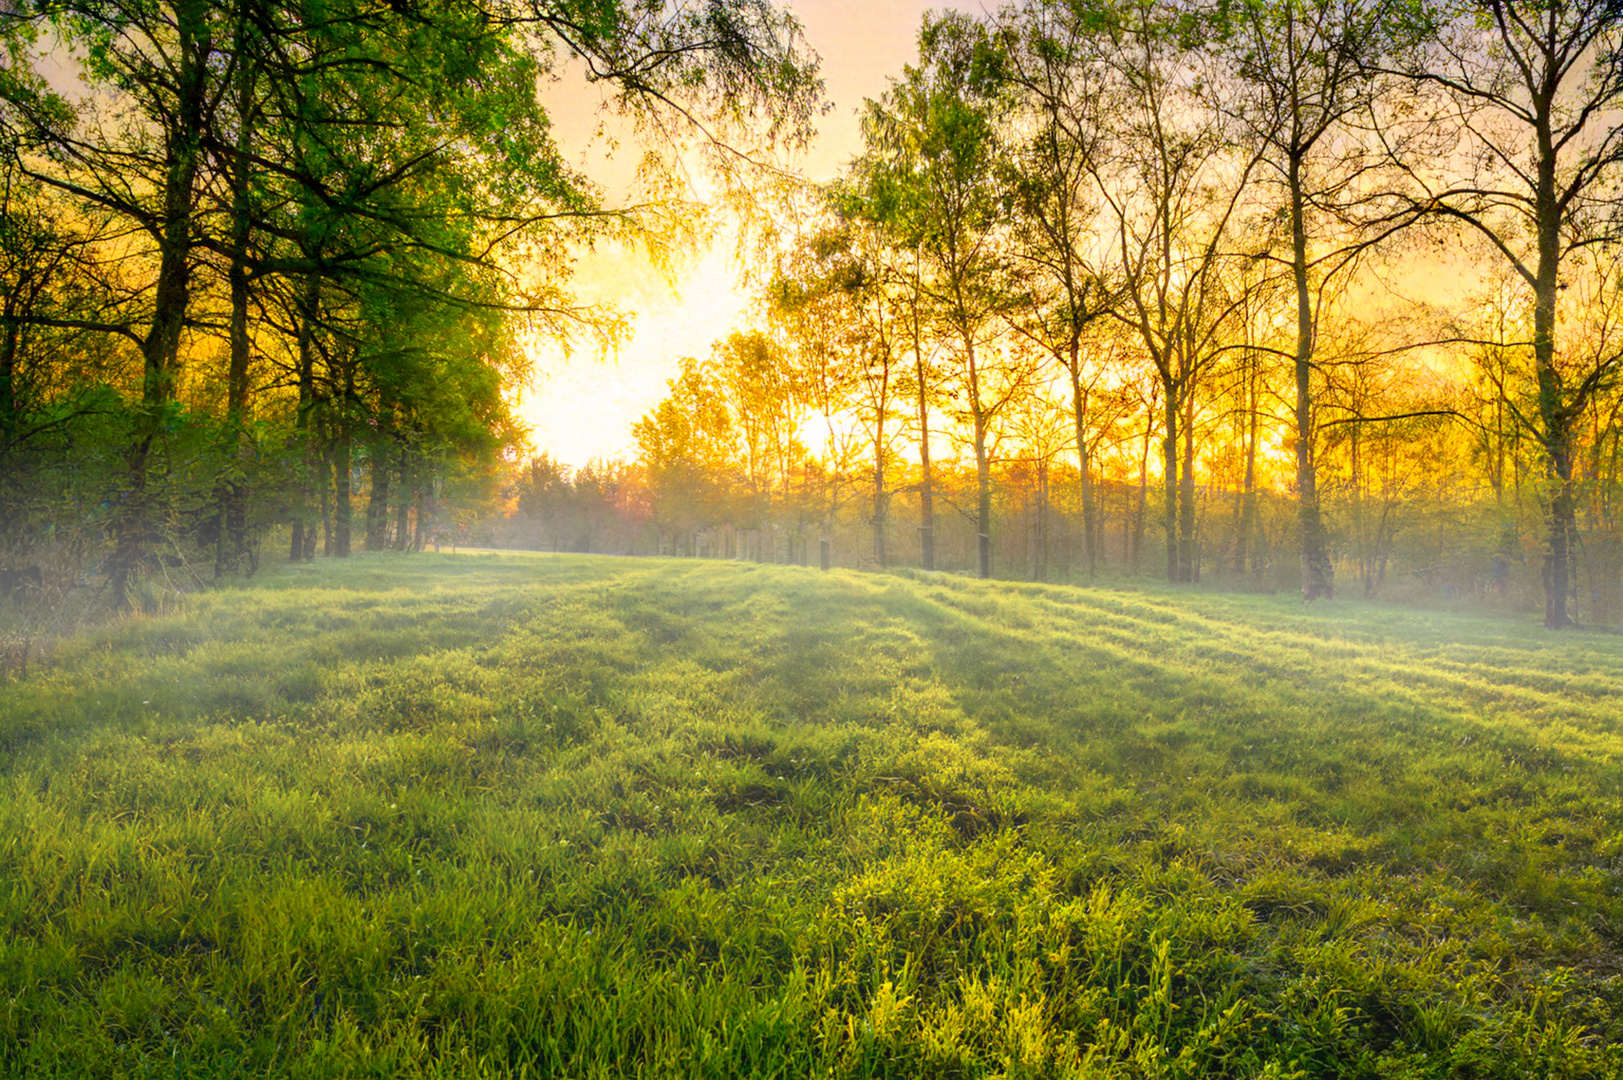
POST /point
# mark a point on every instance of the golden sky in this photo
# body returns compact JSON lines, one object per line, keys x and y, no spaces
{"x":580,"y":406}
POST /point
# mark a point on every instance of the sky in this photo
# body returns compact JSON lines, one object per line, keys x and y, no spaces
{"x":581,"y":406}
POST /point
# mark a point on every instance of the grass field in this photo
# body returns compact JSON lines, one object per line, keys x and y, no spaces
{"x":566,"y":816}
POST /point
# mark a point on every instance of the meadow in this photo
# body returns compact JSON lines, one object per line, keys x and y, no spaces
{"x":509,"y":815}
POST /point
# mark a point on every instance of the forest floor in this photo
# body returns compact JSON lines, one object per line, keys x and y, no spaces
{"x":484,"y":814}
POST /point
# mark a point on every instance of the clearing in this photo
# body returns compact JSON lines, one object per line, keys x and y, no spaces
{"x":486,"y":814}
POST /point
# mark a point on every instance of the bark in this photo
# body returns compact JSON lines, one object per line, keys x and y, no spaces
{"x":160,"y":349}
{"x":377,"y":499}
{"x":8,"y":378}
{"x":1169,"y":459}
{"x":983,"y":466}
{"x":303,"y":545}
{"x":1318,"y":575}
{"x":428,"y":505}
{"x":325,"y":486}
{"x":1248,"y":497}
{"x":926,"y":492}
{"x":1040,"y":555}
{"x":879,"y":501}
{"x":234,"y":493}
{"x":1187,"y":570}
{"x":343,"y":509}
{"x":1084,"y":461}
{"x":402,"y":523}
{"x":420,"y":534}
{"x":1561,"y":517}
{"x":1141,"y":514}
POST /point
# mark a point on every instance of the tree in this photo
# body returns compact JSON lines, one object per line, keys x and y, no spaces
{"x":935,"y":133}
{"x":1173,"y":187}
{"x":1529,"y":97}
{"x":291,"y":166}
{"x":877,"y":197}
{"x":1057,"y":148}
{"x":836,"y":295}
{"x":1307,"y":75}
{"x":690,"y":446}
{"x":764,"y":391}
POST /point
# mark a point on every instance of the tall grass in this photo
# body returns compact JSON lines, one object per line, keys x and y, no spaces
{"x":564,"y":816}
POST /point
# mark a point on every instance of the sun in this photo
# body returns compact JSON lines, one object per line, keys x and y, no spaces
{"x":580,"y":405}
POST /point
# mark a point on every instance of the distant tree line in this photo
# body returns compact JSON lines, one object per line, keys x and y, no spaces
{"x":267,"y":265}
{"x":1288,"y":292}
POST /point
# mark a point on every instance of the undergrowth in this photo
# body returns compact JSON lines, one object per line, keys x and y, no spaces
{"x":565,"y":816}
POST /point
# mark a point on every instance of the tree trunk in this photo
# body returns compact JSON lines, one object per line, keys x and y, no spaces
{"x":1248,"y":497}
{"x":377,"y":498}
{"x":303,"y":546}
{"x":8,"y":379}
{"x":420,"y":535}
{"x":1040,"y":569}
{"x":926,"y":492}
{"x":1561,"y":519}
{"x":983,"y":467}
{"x":160,"y":349}
{"x":1169,"y":458}
{"x":1186,"y":497}
{"x":234,"y":493}
{"x":343,"y":509}
{"x":1318,"y":575}
{"x":402,"y":522}
{"x":1084,"y":461}
{"x":326,"y":487}
{"x":1142,"y":512}
{"x":879,"y":500}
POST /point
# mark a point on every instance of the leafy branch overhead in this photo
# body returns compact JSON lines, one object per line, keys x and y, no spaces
{"x":357,"y":200}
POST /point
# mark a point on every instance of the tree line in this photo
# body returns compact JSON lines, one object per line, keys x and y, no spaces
{"x":266,"y":266}
{"x":1337,"y":279}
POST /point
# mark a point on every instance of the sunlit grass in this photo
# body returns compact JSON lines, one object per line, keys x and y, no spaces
{"x":479,"y":814}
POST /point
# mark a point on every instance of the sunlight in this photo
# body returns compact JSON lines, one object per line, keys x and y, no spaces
{"x":581,"y":405}
{"x":1118,"y":573}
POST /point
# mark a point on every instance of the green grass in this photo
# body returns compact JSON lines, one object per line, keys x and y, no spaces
{"x":564,"y":816}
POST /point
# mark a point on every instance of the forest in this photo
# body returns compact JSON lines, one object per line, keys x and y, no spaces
{"x":1133,"y":598}
{"x":1281,"y":296}
{"x":1297,"y":295}
{"x":268,"y":268}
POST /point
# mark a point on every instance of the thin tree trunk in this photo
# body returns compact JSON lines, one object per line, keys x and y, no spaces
{"x":983,"y":467}
{"x":402,"y":523}
{"x":1318,"y":576}
{"x":1041,"y":568}
{"x":421,"y":498}
{"x":926,"y":488}
{"x":1248,"y":498}
{"x":8,"y":378}
{"x":1084,"y":462}
{"x":326,"y":487}
{"x":160,"y":349}
{"x":343,"y":509}
{"x":1169,"y":456}
{"x":879,"y":499}
{"x":1561,"y":517}
{"x":303,"y":545}
{"x":1141,"y":515}
{"x":1187,"y":570}
{"x":234,"y":494}
{"x":377,"y":498}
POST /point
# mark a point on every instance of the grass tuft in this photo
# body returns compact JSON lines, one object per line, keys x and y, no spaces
{"x":550,"y":815}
